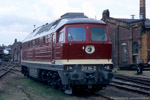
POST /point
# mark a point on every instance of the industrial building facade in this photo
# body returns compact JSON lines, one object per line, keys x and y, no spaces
{"x":130,"y":38}
{"x":16,"y":52}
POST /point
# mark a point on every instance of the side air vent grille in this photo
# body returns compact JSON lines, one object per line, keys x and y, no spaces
{"x":74,"y":15}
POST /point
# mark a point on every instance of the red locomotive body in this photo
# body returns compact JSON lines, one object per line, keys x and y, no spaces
{"x":70,"y":44}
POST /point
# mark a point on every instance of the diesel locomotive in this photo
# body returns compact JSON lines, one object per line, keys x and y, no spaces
{"x":70,"y":53}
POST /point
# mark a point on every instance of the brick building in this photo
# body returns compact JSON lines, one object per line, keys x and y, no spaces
{"x":1,"y":52}
{"x":130,"y":37}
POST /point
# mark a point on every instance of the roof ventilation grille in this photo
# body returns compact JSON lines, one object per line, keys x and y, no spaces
{"x":74,"y":15}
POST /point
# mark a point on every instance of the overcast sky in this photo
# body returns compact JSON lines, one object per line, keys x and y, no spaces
{"x":17,"y":17}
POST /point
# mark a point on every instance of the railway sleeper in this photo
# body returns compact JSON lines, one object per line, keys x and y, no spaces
{"x":130,"y":88}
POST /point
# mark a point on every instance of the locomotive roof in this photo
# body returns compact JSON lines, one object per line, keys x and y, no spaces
{"x":54,"y":26}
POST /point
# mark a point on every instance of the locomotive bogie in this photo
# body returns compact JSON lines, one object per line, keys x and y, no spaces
{"x":67,"y":77}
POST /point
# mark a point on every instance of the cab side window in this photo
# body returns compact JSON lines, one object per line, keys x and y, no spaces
{"x":44,"y":40}
{"x":61,"y":36}
{"x":38,"y":41}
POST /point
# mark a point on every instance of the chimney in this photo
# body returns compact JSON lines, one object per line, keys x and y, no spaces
{"x":15,"y":40}
{"x":106,"y":13}
{"x":132,"y":16}
{"x":142,"y":9}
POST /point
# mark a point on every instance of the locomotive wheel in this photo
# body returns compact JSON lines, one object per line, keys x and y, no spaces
{"x":74,"y":90}
{"x":56,"y":81}
{"x":43,"y":76}
{"x":49,"y":83}
{"x":54,"y":84}
{"x":60,"y":86}
{"x":52,"y":79}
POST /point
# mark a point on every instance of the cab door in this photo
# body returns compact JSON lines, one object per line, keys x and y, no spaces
{"x":52,"y":42}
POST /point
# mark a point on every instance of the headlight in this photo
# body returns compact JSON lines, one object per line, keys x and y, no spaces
{"x":66,"y":67}
{"x":109,"y":66}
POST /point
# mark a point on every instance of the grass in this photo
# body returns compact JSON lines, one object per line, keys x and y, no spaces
{"x":22,"y":88}
{"x":39,"y":90}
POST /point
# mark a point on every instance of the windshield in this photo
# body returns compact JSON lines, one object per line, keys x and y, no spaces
{"x":98,"y":34}
{"x":76,"y":34}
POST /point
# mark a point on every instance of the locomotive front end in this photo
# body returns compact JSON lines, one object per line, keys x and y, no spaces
{"x":86,"y":56}
{"x":89,"y":77}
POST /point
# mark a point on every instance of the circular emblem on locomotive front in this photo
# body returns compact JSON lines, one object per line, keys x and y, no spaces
{"x":90,"y":49}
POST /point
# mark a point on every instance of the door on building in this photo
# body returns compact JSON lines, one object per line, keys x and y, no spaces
{"x":135,"y":59}
{"x":135,"y":53}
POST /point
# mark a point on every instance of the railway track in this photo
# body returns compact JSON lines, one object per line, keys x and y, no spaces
{"x":105,"y":97}
{"x":131,"y":83}
{"x":91,"y":96}
{"x":122,"y":82}
{"x":6,"y":68}
{"x":3,"y":72}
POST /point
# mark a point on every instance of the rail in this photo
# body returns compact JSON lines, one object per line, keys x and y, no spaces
{"x":132,"y":83}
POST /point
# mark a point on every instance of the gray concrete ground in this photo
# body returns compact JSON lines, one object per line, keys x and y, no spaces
{"x":134,"y":73}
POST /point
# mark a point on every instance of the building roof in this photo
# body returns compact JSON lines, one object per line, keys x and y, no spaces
{"x":128,"y":20}
{"x":19,"y":43}
{"x":147,"y":23}
{"x":68,"y":18}
{"x":2,"y":48}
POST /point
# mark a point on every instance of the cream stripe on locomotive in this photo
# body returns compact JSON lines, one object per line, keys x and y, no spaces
{"x":38,"y":62}
{"x":74,"y":61}
{"x":84,"y":61}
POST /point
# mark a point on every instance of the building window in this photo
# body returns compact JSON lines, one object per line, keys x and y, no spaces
{"x":54,"y":37}
{"x":38,"y":41}
{"x":135,"y":53}
{"x":44,"y":40}
{"x":31,"y":44}
{"x":61,"y":36}
{"x":124,"y":52}
{"x":135,"y":48}
{"x":28,"y":44}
